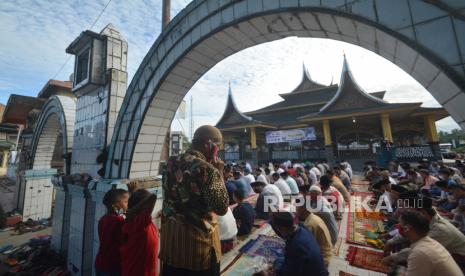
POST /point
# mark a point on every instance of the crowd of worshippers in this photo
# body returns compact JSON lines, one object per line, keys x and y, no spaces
{"x":426,"y":215}
{"x":205,"y":208}
{"x":129,"y":239}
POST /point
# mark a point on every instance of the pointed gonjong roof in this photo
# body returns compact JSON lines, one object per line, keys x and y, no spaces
{"x":307,"y":93}
{"x":307,"y":82}
{"x":232,"y":116}
{"x":350,"y":97}
{"x":311,"y":101}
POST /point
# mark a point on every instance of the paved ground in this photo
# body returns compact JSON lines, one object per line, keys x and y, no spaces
{"x":7,"y":194}
{"x":6,"y":237}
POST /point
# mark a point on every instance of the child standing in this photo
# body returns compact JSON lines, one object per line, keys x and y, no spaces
{"x":108,"y":260}
{"x":139,"y":252}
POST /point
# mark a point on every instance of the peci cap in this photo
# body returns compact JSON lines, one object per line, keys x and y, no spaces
{"x":207,"y":132}
{"x":315,"y":189}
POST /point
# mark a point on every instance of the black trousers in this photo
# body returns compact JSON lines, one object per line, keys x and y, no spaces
{"x":213,"y":270}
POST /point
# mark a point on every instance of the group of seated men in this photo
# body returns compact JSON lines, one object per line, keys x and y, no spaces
{"x":425,"y":215}
{"x":302,"y":201}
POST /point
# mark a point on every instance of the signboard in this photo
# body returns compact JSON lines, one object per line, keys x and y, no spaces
{"x":290,"y":135}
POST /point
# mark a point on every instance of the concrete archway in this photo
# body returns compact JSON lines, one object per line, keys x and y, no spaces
{"x":56,"y":120}
{"x":51,"y":146}
{"x":410,"y":33}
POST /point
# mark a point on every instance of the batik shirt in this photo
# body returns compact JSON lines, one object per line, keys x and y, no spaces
{"x":193,"y":190}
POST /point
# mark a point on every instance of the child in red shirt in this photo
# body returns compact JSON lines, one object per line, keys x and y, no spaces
{"x":139,"y":252}
{"x":108,"y":260}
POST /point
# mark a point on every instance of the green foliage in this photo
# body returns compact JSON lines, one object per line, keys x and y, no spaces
{"x":455,"y":134}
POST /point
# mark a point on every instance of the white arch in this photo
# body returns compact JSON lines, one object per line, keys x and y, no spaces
{"x":57,"y":116}
{"x":207,"y":31}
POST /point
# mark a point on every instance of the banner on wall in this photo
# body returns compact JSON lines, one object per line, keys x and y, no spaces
{"x":290,"y":135}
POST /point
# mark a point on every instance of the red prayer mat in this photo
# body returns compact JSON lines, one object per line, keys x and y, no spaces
{"x":252,"y":199}
{"x":342,"y":273}
{"x":366,"y":258}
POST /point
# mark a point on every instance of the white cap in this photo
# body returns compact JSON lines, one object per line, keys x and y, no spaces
{"x":280,"y":171}
{"x":315,"y":188}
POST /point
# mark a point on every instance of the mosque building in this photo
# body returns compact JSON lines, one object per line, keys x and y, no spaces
{"x":335,"y":122}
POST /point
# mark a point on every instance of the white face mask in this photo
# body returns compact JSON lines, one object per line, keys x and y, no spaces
{"x":119,"y":211}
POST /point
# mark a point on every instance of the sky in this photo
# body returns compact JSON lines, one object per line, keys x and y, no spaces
{"x":34,"y":35}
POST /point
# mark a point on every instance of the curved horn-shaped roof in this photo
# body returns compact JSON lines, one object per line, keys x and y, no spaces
{"x":232,"y":115}
{"x":350,"y":91}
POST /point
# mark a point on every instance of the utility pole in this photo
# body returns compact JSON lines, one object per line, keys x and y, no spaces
{"x":165,"y":19}
{"x":191,"y":123}
{"x":166,"y":14}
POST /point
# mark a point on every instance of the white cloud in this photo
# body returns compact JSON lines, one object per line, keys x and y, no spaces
{"x":34,"y":35}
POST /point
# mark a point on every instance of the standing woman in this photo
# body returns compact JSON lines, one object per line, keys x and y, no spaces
{"x":139,"y":252}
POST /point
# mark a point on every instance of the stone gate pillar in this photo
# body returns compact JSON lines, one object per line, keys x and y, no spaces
{"x":100,"y":82}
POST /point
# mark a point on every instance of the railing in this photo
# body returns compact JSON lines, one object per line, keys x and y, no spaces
{"x":263,"y":156}
{"x":285,"y":155}
{"x":356,"y":153}
{"x":413,"y":153}
{"x":313,"y":154}
{"x":231,"y":156}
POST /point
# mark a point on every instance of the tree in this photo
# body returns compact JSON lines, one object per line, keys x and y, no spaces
{"x":455,"y":134}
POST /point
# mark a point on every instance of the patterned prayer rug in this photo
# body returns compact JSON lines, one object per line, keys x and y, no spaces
{"x":364,"y":227}
{"x":245,"y":265}
{"x":271,"y":248}
{"x":252,"y":199}
{"x":366,"y":258}
{"x":364,"y":231}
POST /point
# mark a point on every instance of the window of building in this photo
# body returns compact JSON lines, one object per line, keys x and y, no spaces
{"x":2,"y":157}
{"x":82,"y":66}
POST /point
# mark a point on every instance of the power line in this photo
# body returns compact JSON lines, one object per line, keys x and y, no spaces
{"x":91,"y":26}
{"x":182,"y":127}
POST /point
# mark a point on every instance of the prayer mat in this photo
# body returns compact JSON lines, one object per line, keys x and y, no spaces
{"x":252,"y":199}
{"x":363,"y":228}
{"x":259,"y":223}
{"x":337,"y":247}
{"x":270,"y":248}
{"x":342,"y":273}
{"x":245,"y":265}
{"x":366,"y":259}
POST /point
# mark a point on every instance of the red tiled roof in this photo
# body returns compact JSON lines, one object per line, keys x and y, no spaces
{"x":52,"y":85}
